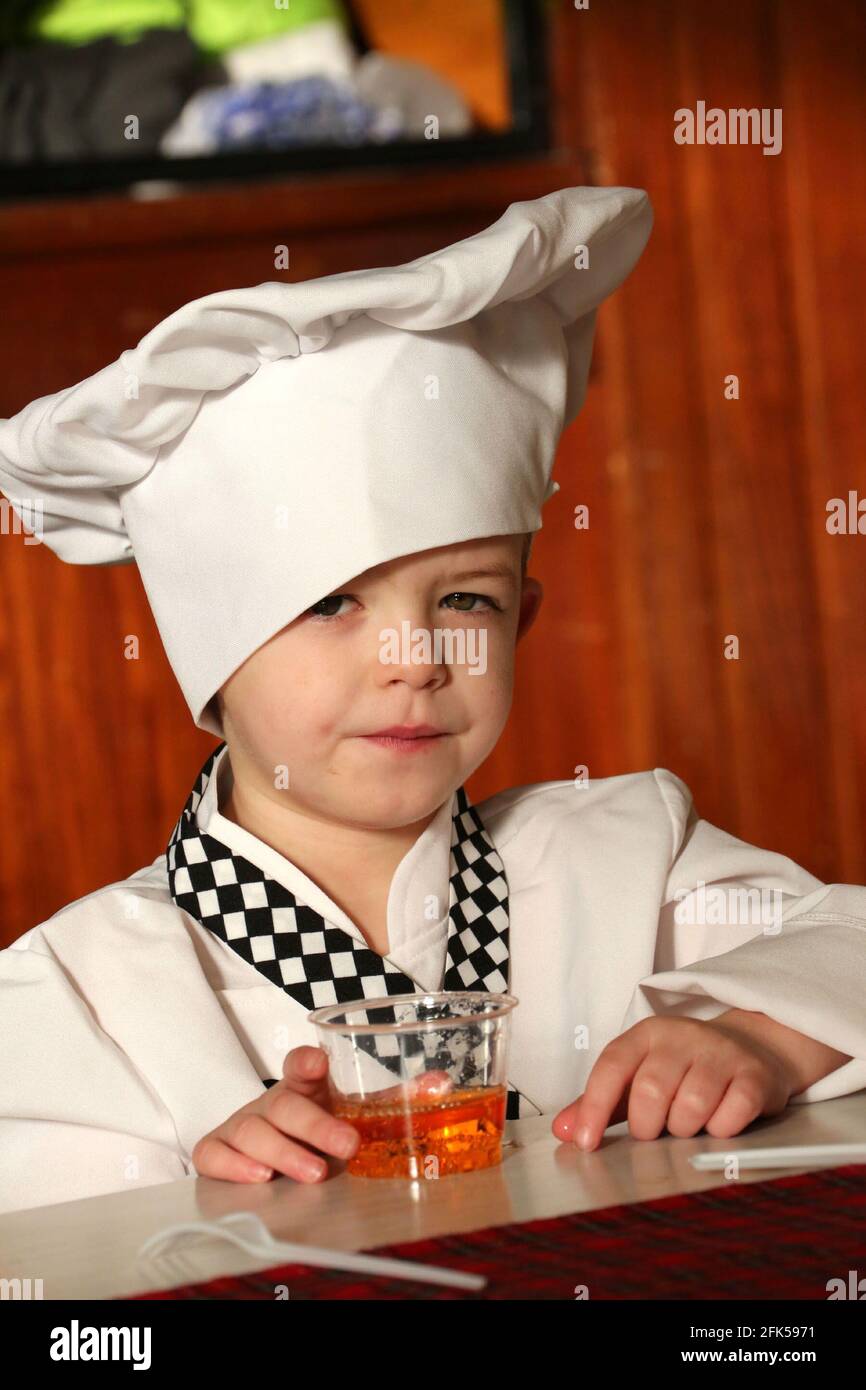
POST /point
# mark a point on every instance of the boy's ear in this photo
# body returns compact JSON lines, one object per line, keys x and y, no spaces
{"x":530,"y":602}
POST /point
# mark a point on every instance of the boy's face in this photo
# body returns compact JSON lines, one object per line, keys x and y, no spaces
{"x":364,"y":659}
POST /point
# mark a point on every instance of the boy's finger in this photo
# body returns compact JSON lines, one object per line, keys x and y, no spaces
{"x":214,"y":1158}
{"x":653,"y":1091}
{"x":305,"y":1062}
{"x":303,"y":1119}
{"x":264,"y":1140}
{"x":306,"y":1069}
{"x":744,"y":1100}
{"x":569,"y":1122}
{"x":698,"y":1096}
{"x":585,"y":1120}
{"x":430,"y":1085}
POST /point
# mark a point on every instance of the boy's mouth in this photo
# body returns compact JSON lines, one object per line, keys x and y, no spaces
{"x":409,"y":738}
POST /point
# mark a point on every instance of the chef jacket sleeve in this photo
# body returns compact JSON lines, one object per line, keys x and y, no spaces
{"x":76,"y":1117}
{"x":747,"y":928}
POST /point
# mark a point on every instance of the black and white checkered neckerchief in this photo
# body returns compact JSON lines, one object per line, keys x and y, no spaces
{"x":318,"y":963}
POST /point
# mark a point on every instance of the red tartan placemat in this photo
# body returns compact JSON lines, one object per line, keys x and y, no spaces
{"x":778,"y":1239}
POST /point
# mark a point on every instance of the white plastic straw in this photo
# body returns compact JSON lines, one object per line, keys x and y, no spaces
{"x":794,"y":1156}
{"x":247,"y":1231}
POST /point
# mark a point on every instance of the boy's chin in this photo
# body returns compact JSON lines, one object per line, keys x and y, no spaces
{"x":392,"y":800}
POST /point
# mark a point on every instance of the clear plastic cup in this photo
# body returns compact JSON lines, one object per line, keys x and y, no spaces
{"x":422,"y":1077}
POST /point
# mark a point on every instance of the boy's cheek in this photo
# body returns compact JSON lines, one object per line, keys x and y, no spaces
{"x":489,"y":694}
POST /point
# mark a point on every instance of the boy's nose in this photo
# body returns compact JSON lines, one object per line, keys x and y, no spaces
{"x":416,"y":675}
{"x":409,"y":651}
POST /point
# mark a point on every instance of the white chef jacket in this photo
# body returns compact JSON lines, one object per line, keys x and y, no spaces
{"x":128,"y":1029}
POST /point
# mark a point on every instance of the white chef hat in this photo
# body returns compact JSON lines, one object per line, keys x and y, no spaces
{"x":263,"y":445}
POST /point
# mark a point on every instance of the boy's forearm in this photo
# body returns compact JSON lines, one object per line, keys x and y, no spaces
{"x":808,"y":1060}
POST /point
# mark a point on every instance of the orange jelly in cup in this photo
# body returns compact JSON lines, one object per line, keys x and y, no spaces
{"x":456,"y":1133}
{"x":421,"y":1078}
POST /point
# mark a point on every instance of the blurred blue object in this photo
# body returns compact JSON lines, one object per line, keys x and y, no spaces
{"x":278,"y":115}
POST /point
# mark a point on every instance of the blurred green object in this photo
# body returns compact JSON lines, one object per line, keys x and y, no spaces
{"x":83,"y":21}
{"x":214,"y":25}
{"x":218,"y":25}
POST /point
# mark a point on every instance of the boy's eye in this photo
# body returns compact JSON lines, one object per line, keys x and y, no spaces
{"x":322,"y":609}
{"x":470,"y":598}
{"x":460,"y":603}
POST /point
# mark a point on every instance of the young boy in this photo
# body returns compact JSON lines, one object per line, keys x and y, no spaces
{"x":330,"y":489}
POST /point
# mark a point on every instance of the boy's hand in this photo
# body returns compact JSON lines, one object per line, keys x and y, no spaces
{"x":281,"y":1130}
{"x":683,"y":1074}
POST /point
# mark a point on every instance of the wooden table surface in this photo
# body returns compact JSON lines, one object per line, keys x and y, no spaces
{"x":88,"y":1249}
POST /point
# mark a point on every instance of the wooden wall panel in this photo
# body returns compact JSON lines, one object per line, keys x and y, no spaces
{"x":822,"y":91}
{"x":707,"y":516}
